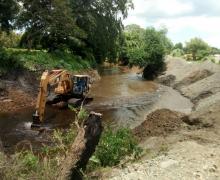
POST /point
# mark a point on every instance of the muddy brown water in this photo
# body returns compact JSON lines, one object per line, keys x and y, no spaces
{"x":123,"y":98}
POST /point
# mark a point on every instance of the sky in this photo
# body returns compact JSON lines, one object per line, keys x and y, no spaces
{"x":184,"y":19}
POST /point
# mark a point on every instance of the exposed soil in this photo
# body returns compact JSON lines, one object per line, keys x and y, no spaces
{"x":159,"y":123}
{"x":19,"y":91}
{"x":16,"y":99}
{"x":180,"y":146}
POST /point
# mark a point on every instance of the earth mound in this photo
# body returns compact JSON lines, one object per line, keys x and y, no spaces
{"x":193,"y":77}
{"x":159,"y":123}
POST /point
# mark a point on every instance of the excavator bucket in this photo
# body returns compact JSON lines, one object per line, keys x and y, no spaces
{"x":36,"y":121}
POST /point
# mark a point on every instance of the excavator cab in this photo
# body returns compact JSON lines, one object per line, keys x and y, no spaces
{"x":81,"y":84}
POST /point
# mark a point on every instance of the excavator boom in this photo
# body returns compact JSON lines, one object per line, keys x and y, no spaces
{"x":65,"y":85}
{"x":41,"y":99}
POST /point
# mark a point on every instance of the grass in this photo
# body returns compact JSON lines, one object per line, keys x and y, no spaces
{"x":34,"y":60}
{"x":26,"y":165}
{"x":42,"y":166}
{"x":113,"y":147}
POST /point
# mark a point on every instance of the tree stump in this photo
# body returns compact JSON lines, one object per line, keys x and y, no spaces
{"x":82,"y":148}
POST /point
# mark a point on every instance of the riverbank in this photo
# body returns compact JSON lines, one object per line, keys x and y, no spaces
{"x":21,"y":71}
{"x":180,"y":146}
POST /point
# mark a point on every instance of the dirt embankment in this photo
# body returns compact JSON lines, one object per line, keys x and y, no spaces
{"x":19,"y":89}
{"x":200,"y":82}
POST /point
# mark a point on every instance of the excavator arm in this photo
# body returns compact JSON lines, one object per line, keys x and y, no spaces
{"x":41,"y":99}
{"x":62,"y":79}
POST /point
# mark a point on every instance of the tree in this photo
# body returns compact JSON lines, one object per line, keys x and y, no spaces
{"x":215,"y":50}
{"x":102,"y":23}
{"x":132,"y":46}
{"x":144,"y":48}
{"x":8,"y":12}
{"x":198,"y":48}
{"x":49,"y":23}
{"x":167,"y":43}
{"x":81,"y":26}
{"x":155,"y":49}
{"x":178,"y":46}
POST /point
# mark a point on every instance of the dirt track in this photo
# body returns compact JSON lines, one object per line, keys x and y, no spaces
{"x":191,"y":149}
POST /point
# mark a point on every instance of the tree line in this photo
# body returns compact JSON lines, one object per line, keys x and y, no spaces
{"x":88,"y":28}
{"x":195,"y":49}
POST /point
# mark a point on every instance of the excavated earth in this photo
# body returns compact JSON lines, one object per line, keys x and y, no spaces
{"x":159,"y":123}
{"x":178,"y":145}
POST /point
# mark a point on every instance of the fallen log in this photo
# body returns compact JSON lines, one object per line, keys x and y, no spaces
{"x":83,"y":147}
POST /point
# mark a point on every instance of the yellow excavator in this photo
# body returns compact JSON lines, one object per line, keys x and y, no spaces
{"x":64,"y":85}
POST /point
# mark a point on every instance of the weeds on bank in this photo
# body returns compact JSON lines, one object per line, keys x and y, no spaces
{"x":114,"y":147}
{"x":26,"y":165}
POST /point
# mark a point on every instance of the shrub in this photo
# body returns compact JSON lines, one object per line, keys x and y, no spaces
{"x":177,"y":53}
{"x":198,"y":48}
{"x":202,"y":54}
{"x":8,"y":62}
{"x":114,"y":146}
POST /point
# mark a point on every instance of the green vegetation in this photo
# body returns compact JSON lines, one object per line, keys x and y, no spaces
{"x":44,"y":165}
{"x":9,"y":40}
{"x":88,"y":30}
{"x":195,"y":50}
{"x":177,"y":52}
{"x":198,"y":48}
{"x":26,"y":165}
{"x":85,"y":28}
{"x":114,"y":147}
{"x":12,"y":59}
{"x":178,"y":46}
{"x":9,"y":10}
{"x":145,"y":48}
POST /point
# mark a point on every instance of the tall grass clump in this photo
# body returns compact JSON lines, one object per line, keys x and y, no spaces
{"x":27,"y":165}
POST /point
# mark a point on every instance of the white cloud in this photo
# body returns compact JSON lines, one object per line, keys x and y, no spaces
{"x":183,"y":18}
{"x":160,"y":8}
{"x":205,"y":27}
